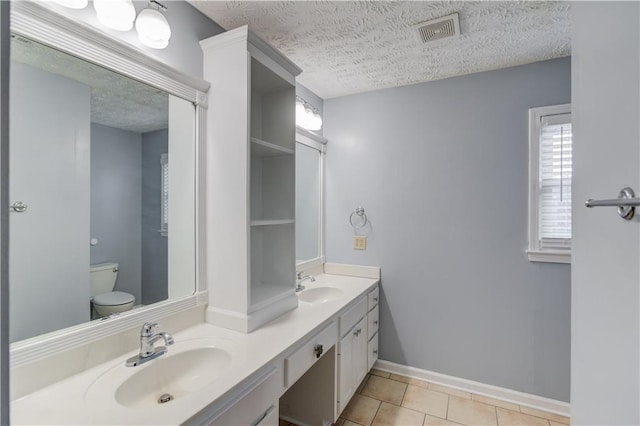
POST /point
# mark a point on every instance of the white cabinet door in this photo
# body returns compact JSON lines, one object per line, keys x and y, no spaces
{"x":352,"y":360}
{"x":360,"y":353}
{"x":345,"y":366}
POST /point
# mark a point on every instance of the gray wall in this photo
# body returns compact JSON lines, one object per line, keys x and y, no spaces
{"x":188,"y":27}
{"x":115,"y":204}
{"x":154,"y":245}
{"x":441,"y":169}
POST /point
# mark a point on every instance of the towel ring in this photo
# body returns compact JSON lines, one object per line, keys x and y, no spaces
{"x":359,"y":211}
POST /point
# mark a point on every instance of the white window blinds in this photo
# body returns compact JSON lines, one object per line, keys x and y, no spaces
{"x":164,"y":201}
{"x":554,"y":176}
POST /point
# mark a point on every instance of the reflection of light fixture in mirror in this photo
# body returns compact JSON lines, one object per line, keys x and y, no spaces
{"x":115,"y":14}
{"x":73,"y":4}
{"x":307,"y":116}
{"x":153,"y":29}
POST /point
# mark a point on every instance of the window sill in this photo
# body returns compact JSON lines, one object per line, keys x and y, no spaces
{"x":549,"y":256}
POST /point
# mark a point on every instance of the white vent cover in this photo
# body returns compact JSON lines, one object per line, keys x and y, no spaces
{"x":436,"y":29}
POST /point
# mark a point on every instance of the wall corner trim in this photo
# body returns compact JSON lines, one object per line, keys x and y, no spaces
{"x":503,"y":394}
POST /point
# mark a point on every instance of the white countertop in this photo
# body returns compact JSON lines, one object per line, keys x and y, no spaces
{"x":68,"y":402}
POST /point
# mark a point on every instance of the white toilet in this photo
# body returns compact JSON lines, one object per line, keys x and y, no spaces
{"x":104,"y":300}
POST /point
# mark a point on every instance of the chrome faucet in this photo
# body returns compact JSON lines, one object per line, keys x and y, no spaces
{"x":301,"y":278}
{"x":148,"y":337}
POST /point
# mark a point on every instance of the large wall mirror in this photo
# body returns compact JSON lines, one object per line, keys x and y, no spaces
{"x":310,"y":150}
{"x":102,"y":187}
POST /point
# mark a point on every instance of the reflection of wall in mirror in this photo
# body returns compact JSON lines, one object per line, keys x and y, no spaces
{"x":125,"y":209}
{"x":115,"y":204}
{"x":307,"y":202}
{"x":49,"y":156}
{"x":154,"y":245}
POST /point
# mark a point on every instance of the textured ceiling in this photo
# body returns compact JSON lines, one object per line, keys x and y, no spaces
{"x":116,"y":100}
{"x":355,"y":46}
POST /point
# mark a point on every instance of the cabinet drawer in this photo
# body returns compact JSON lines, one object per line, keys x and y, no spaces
{"x":352,"y":316}
{"x":373,"y":297}
{"x":372,"y":353}
{"x":372,"y":323}
{"x":296,"y":364}
{"x":254,"y":406}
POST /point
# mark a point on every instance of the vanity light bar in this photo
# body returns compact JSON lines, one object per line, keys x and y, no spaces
{"x":151,"y":25}
{"x":307,"y":116}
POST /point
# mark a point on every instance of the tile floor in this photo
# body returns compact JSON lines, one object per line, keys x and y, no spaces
{"x":388,"y":399}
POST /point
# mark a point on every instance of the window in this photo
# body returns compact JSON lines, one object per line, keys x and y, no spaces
{"x":164,"y":199}
{"x":550,"y":171}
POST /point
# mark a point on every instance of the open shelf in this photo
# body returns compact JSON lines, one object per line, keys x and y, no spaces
{"x":260,"y":148}
{"x":271,"y":222}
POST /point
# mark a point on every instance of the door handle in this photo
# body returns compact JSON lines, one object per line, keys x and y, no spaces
{"x":19,"y":207}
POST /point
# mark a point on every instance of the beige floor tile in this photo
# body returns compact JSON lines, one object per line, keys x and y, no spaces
{"x":450,"y":391}
{"x":545,"y":415}
{"x":364,"y":382}
{"x":379,"y":373}
{"x":552,"y":423}
{"x":409,"y":380}
{"x":426,"y":401}
{"x":348,"y":423}
{"x":340,"y":422}
{"x":384,"y":389}
{"x":470,"y":412}
{"x":391,"y":415}
{"x":513,"y":418}
{"x":496,"y":402}
{"x":437,"y":421}
{"x":361,"y":409}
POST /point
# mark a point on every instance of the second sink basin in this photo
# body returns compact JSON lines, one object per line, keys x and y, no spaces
{"x":320,"y":294}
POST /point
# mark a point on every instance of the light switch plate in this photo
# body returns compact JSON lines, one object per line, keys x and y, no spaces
{"x":359,"y":242}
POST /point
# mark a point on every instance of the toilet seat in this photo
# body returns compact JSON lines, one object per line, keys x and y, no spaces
{"x":114,"y":298}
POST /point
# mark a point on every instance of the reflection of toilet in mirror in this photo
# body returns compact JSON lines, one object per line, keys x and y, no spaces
{"x":105,"y":301}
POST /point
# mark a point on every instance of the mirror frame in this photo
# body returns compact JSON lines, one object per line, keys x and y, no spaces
{"x":318,"y":143}
{"x":41,"y":24}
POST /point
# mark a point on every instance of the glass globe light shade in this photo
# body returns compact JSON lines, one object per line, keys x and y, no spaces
{"x":153,"y":29}
{"x":115,"y":14}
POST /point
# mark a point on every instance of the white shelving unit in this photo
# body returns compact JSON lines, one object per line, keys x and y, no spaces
{"x":250,"y":181}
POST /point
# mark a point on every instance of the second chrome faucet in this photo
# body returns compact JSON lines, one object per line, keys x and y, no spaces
{"x":300,"y":279}
{"x":148,"y":337}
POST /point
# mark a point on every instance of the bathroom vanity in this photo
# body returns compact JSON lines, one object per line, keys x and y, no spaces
{"x":224,"y":377}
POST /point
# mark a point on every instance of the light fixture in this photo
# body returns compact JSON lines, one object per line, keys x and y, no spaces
{"x":115,"y":14}
{"x":307,"y":116}
{"x":153,"y":29}
{"x":73,"y":4}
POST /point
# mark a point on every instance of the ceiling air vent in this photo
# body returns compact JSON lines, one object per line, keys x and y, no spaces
{"x":447,"y":26}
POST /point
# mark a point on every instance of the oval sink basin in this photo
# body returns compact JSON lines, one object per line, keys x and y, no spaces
{"x":320,"y":294}
{"x":188,"y":366}
{"x":176,"y":375}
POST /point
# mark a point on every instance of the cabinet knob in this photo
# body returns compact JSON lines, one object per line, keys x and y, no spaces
{"x":375,"y":351}
{"x":375,"y":322}
{"x":317,"y":350}
{"x":375,"y":299}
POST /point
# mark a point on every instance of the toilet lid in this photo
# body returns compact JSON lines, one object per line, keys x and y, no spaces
{"x":113,"y":298}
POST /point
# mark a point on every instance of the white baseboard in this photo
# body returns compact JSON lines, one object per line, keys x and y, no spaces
{"x":508,"y":395}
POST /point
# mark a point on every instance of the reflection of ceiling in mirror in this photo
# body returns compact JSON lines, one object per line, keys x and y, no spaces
{"x":116,"y":100}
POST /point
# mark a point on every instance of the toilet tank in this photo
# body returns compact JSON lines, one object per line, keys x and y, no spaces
{"x":103,"y":277}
